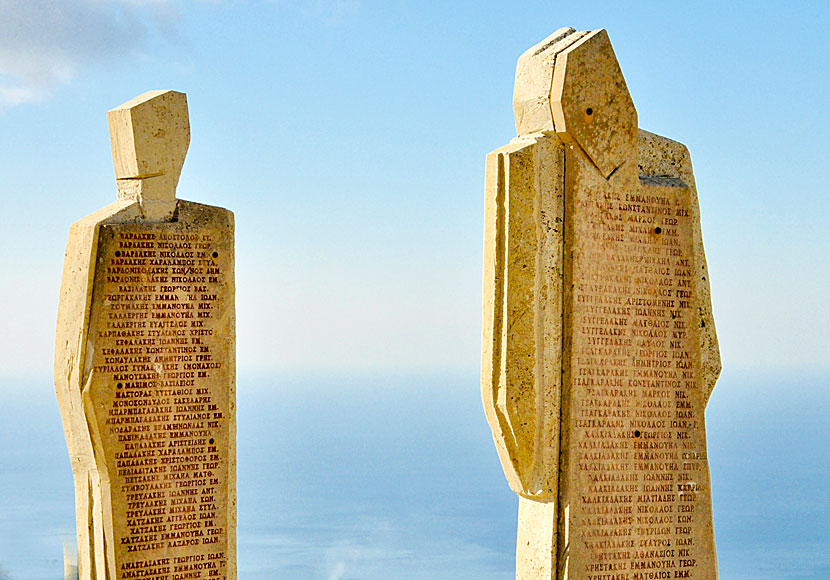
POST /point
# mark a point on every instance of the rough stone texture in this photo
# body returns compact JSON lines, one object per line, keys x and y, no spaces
{"x":522,"y":317}
{"x":599,"y":347}
{"x":145,"y":365}
{"x":150,"y":135}
{"x":534,"y":78}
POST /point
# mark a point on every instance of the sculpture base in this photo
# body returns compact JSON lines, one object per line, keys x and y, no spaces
{"x":536,"y":540}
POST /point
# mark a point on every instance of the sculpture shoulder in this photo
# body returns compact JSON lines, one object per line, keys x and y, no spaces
{"x":661,"y":156}
{"x":527,"y":142}
{"x":116,"y":212}
{"x":198,"y":213}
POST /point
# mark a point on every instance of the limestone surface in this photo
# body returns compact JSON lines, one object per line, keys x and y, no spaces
{"x":145,"y":364}
{"x":599,"y":350}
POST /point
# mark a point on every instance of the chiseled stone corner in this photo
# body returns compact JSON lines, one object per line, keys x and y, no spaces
{"x":599,"y":350}
{"x":145,"y":364}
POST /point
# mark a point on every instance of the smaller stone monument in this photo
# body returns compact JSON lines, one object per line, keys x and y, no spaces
{"x":145,"y":364}
{"x":599,"y":351}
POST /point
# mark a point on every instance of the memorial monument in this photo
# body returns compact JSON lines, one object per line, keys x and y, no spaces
{"x":145,"y":364}
{"x":599,"y":350}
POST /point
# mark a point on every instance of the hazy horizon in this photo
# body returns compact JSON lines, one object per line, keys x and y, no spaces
{"x":396,"y":477}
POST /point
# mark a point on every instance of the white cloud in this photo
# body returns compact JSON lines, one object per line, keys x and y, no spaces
{"x":46,"y":43}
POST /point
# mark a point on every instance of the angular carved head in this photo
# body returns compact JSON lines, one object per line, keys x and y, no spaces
{"x":150,"y":135}
{"x":571,"y":83}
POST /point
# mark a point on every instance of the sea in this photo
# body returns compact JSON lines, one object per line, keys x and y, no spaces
{"x":386,"y":476}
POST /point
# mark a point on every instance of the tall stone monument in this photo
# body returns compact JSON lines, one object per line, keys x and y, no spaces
{"x":145,"y":364}
{"x":599,"y":347}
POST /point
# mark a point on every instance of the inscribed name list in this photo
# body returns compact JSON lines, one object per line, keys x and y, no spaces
{"x":637,"y":477}
{"x":161,"y":395}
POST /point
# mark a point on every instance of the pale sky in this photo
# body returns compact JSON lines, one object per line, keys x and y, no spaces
{"x":349,"y":136}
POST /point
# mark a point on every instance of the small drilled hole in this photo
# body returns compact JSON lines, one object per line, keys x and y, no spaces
{"x":637,"y":433}
{"x":215,"y":254}
{"x":117,"y":254}
{"x":119,"y":385}
{"x":589,"y":111}
{"x":658,"y":230}
{"x":211,"y":441}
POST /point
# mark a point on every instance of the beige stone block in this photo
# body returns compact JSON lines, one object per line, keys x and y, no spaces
{"x":150,"y":135}
{"x":145,"y":366}
{"x":524,"y":270}
{"x":532,"y":105}
{"x":599,"y":348}
{"x":591,"y":103}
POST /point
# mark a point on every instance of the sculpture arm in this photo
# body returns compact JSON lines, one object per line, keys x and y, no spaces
{"x":660,"y":156}
{"x":522,"y":330}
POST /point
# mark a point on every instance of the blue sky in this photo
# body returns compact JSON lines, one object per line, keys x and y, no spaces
{"x":348,"y":136}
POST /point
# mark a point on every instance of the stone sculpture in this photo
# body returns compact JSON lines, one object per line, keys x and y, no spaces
{"x":145,"y":364}
{"x":599,"y":346}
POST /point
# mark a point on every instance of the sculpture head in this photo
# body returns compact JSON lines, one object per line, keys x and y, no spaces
{"x":149,"y":135}
{"x":571,"y":83}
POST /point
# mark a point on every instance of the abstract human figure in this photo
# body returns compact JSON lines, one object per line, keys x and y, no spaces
{"x":599,"y":349}
{"x":144,"y":363}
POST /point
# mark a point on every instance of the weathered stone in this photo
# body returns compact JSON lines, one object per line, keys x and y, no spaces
{"x":145,"y":364}
{"x":599,"y":349}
